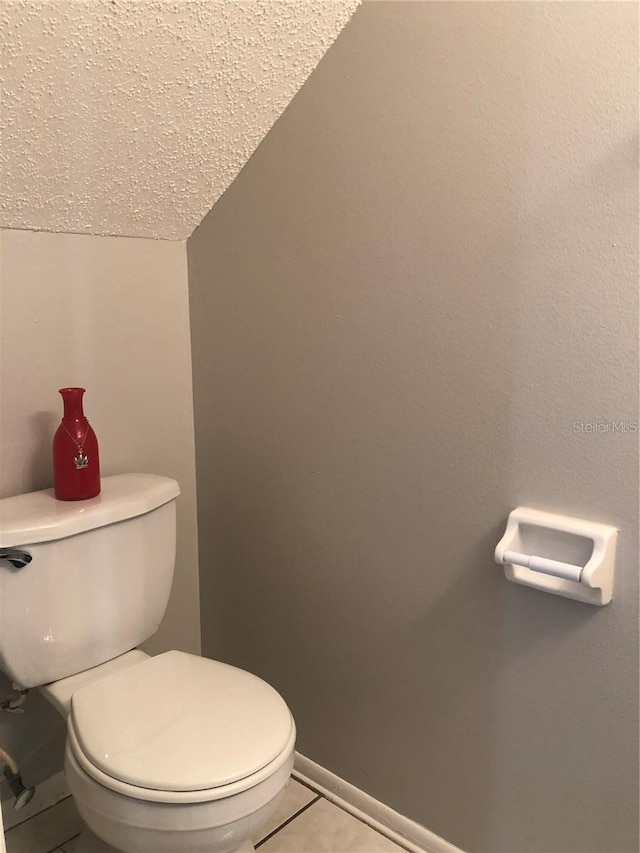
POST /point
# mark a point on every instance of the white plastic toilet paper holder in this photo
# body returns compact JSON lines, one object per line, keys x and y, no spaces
{"x":559,"y":554}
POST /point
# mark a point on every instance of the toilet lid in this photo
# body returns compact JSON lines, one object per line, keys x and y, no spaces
{"x":177,"y":722}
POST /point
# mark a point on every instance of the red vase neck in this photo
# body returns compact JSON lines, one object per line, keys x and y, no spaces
{"x":72,"y":399}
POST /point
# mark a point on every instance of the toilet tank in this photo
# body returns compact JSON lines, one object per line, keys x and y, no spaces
{"x":98,"y":581}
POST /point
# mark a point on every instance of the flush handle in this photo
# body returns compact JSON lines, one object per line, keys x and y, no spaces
{"x":18,"y":559}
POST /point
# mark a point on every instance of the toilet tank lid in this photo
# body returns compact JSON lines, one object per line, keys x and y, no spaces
{"x":38,"y":517}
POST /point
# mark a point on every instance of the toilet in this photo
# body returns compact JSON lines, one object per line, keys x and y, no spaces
{"x":172,"y":753}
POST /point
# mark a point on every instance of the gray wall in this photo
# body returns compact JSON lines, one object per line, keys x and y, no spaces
{"x":110,"y":314}
{"x":419,"y":282}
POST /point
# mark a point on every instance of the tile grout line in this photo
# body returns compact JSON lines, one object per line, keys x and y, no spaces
{"x":37,"y":814}
{"x":398,"y":844}
{"x":306,"y":785}
{"x":68,"y":841}
{"x":346,"y":811}
{"x":289,"y":820}
{"x":60,"y":845}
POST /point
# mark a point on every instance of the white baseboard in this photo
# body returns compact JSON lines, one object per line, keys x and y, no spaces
{"x":411,"y":835}
{"x":47,"y":794}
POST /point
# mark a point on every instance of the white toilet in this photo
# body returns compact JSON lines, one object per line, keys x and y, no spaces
{"x":166,"y":754}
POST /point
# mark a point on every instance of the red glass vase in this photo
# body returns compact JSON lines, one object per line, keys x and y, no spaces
{"x":76,"y":465}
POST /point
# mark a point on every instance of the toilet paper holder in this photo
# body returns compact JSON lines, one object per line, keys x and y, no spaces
{"x":559,"y":554}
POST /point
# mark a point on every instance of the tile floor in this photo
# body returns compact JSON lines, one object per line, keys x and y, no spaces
{"x":305,"y":823}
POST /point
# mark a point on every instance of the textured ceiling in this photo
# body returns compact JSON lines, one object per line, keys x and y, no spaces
{"x":132,"y":117}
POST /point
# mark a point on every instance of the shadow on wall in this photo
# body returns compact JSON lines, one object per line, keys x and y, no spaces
{"x":41,"y":466}
{"x":35,"y":738}
{"x":27,"y":464}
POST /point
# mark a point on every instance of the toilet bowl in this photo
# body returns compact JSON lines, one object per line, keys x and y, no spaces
{"x":173,"y":753}
{"x":132,"y":825}
{"x":167,"y":754}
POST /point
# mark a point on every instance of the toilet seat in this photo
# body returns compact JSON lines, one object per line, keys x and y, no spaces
{"x":133,"y":731}
{"x":179,"y":797}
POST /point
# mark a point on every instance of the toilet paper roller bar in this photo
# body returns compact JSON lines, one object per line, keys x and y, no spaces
{"x":589,"y":548}
{"x":567,"y":571}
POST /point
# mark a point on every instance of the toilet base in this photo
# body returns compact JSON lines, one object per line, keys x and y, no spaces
{"x":132,"y":825}
{"x":90,"y":843}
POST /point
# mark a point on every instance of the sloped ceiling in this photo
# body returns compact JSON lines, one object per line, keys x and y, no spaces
{"x":132,"y":117}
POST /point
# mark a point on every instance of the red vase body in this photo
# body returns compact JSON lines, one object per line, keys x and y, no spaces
{"x":76,"y":465}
